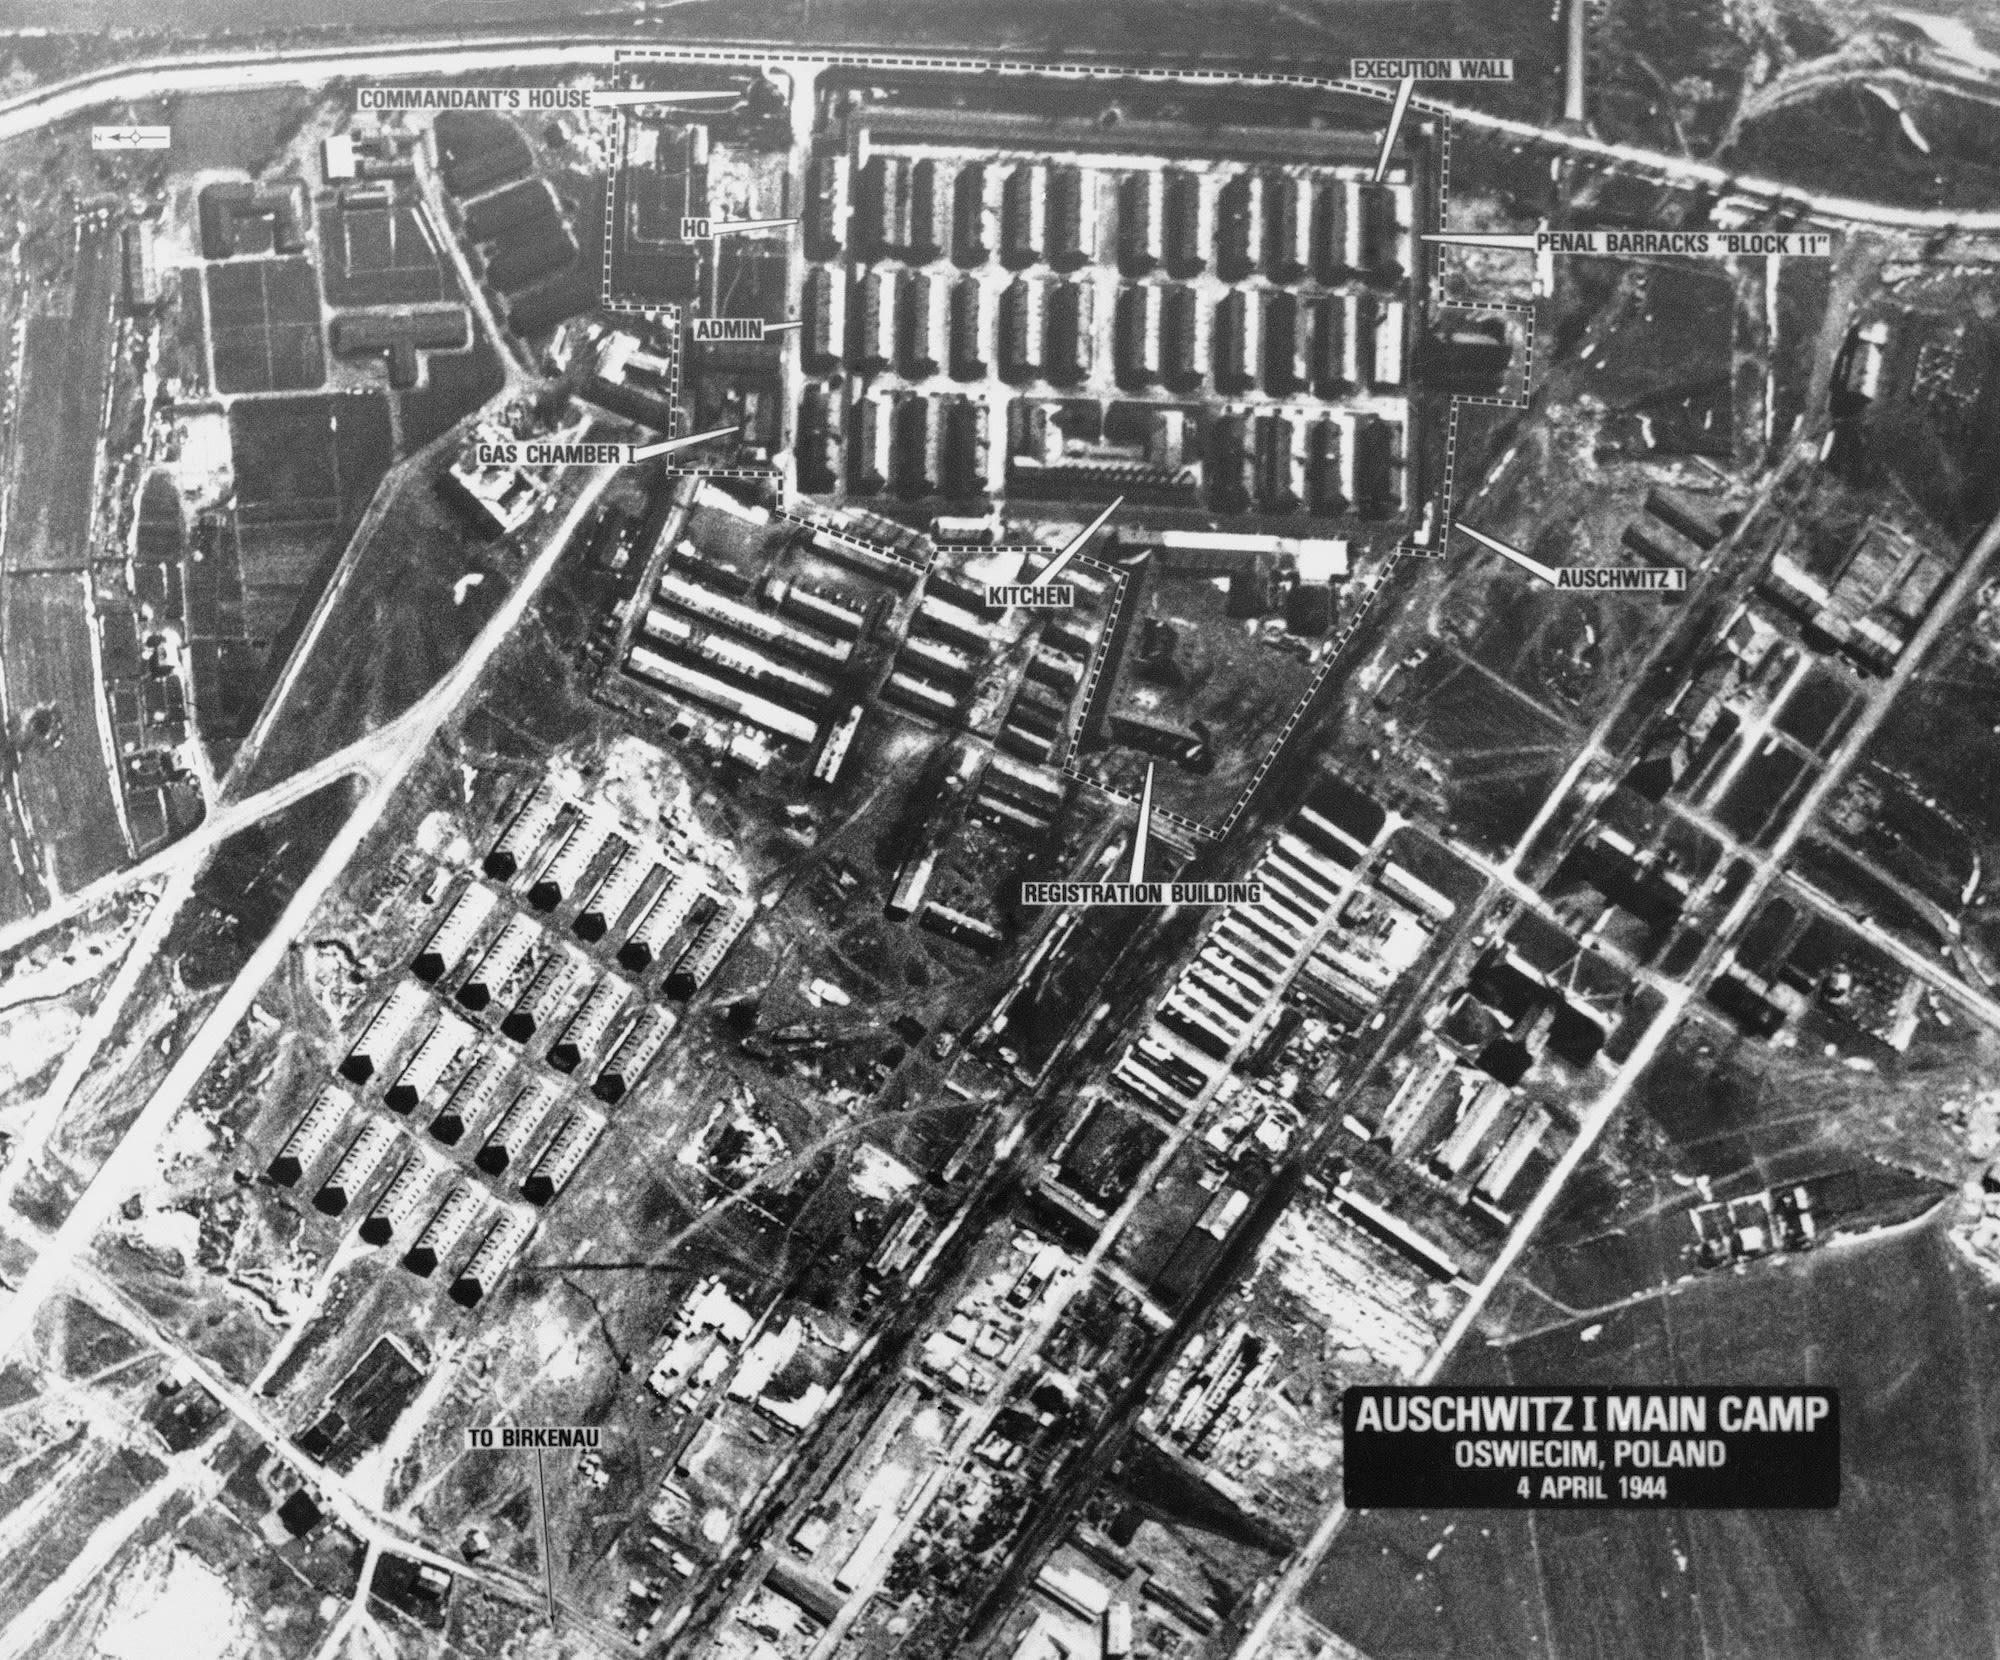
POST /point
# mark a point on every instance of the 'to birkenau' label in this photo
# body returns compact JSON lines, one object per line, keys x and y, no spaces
{"x":533,"y":1438}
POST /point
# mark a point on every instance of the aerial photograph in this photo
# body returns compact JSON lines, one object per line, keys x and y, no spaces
{"x":886,"y":830}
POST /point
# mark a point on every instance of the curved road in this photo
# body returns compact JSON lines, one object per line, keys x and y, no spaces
{"x":387,"y":758}
{"x":236,"y":71}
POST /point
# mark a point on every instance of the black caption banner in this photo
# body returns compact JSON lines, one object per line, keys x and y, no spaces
{"x":1620,"y":1448}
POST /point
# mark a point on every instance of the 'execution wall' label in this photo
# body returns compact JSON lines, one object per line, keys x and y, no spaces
{"x":1431,"y":69}
{"x":1142,"y":893}
{"x":1620,"y":1448}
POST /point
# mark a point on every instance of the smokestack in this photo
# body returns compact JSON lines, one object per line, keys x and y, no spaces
{"x":1573,"y":77}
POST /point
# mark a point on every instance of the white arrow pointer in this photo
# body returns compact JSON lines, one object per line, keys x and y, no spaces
{"x":1523,"y":240}
{"x":1144,"y":832}
{"x":621,"y":99}
{"x":1535,"y":566}
{"x":1076,"y":544}
{"x":1404,"y":88}
{"x":667,"y":446}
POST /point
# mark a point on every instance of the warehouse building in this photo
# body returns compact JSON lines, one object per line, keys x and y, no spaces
{"x":635,"y":1051}
{"x":447,"y":1226}
{"x":705,"y":952}
{"x":494,"y":1255}
{"x":400,"y":1199}
{"x":566,"y":1150}
{"x":586,"y":1028}
{"x":471,"y":1101}
{"x":614,"y":893}
{"x":524,"y":833}
{"x":445,"y":949}
{"x":505,"y":968}
{"x":311,"y":1136}
{"x":448,"y":1038}
{"x":385,"y":1031}
{"x":515,"y":1128}
{"x":356,"y":1168}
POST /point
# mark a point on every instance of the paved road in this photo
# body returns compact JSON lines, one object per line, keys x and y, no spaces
{"x":213,"y":71}
{"x":389,"y":756}
{"x":395,"y":752}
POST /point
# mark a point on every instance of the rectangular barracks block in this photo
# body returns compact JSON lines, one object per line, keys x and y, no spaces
{"x":311,"y":1136}
{"x":385,"y":1031}
{"x":605,"y":908}
{"x":566,"y":1150}
{"x":447,"y":1039}
{"x":400,"y":1198}
{"x":587,"y":1027}
{"x":356,"y":1167}
{"x":448,"y":1224}
{"x":524,"y":832}
{"x":446,"y":947}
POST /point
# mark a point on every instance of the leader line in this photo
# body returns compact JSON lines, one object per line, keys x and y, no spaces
{"x":1397,"y":111}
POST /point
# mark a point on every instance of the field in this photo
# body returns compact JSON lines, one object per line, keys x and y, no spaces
{"x":239,"y":130}
{"x":264,"y":321}
{"x":1198,"y":691}
{"x":1943,"y":735}
{"x":1498,"y":752}
{"x":306,"y":469}
{"x":45,"y":629}
{"x":381,"y":256}
{"x":1895,"y":1323}
{"x":399,"y":621}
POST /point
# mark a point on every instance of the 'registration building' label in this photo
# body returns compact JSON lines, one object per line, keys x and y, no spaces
{"x":1121,"y":894}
